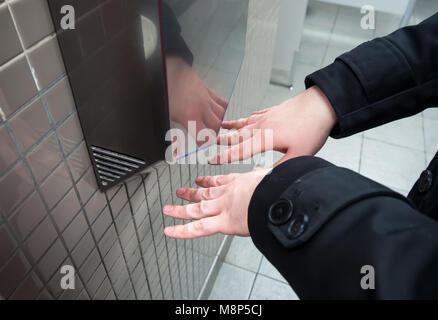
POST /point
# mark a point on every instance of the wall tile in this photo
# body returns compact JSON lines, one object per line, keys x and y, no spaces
{"x":28,"y":216}
{"x":56,"y":185}
{"x":90,"y":265}
{"x":87,"y":185}
{"x":33,"y":20}
{"x":95,"y":206}
{"x":83,"y":249}
{"x":52,"y":260}
{"x":60,"y":100}
{"x":8,"y":244}
{"x":79,"y":161}
{"x":30,"y":125}
{"x":75,"y":231}
{"x":11,"y":45}
{"x":16,"y":85}
{"x":8,"y":151}
{"x":40,"y":240}
{"x":14,"y":187}
{"x":13,"y":273}
{"x":66,"y":209}
{"x":70,"y":133}
{"x":29,"y":289}
{"x":45,"y":158}
{"x":47,"y":62}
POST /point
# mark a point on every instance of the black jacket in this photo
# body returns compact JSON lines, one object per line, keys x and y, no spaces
{"x":319,"y":224}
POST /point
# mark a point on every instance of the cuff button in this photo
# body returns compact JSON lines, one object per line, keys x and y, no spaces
{"x":280,"y":212}
{"x":297,"y":226}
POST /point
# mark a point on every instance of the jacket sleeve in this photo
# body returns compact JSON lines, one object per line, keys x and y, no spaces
{"x":383,"y":80}
{"x":339,"y":222}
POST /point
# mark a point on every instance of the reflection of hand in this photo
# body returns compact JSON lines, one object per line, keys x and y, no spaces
{"x":221,"y":205}
{"x":300,"y":126}
{"x":190,"y":99}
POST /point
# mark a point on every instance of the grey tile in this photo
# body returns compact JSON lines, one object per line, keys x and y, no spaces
{"x":16,"y":84}
{"x":60,"y":100}
{"x":13,"y":273}
{"x":14,"y":187}
{"x":79,"y":161}
{"x":70,"y":134}
{"x":27,"y":216}
{"x":33,"y":20}
{"x":47,"y":62}
{"x":269,"y":289}
{"x":29,"y":289}
{"x":406,"y":132}
{"x":102,"y":223}
{"x":56,"y":186}
{"x":51,"y":262}
{"x":45,"y":158}
{"x":75,"y":231}
{"x":378,"y":161}
{"x":8,"y":244}
{"x":87,"y":185}
{"x":386,"y":23}
{"x":66,"y":209}
{"x":83,"y":249}
{"x":267,"y":269}
{"x":321,"y":14}
{"x":8,"y":151}
{"x":96,"y":280}
{"x":90,"y":265}
{"x":30,"y":124}
{"x":332,"y":53}
{"x":244,"y":254}
{"x":232,"y":283}
{"x":95,"y":206}
{"x":11,"y":45}
{"x":40,"y":240}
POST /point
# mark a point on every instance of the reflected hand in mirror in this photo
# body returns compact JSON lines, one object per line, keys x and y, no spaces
{"x":219,"y":206}
{"x":191,"y":100}
{"x":299,"y":127}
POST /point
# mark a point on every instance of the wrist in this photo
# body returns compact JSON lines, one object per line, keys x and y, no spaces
{"x":321,"y":107}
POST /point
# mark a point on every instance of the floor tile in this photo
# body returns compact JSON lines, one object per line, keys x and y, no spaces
{"x":269,"y":289}
{"x":267,"y":269}
{"x":244,"y":254}
{"x":391,"y":165}
{"x":431,"y":113}
{"x":232,"y":283}
{"x":406,"y":132}
{"x":343,"y":152}
{"x":431,"y":135}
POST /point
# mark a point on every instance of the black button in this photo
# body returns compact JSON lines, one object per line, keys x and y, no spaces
{"x":280,"y":212}
{"x":425,"y":182}
{"x":297,"y":226}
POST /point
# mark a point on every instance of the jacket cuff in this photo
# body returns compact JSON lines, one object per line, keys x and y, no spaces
{"x":291,"y":213}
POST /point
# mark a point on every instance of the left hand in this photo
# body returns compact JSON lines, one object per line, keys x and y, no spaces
{"x":220,"y":206}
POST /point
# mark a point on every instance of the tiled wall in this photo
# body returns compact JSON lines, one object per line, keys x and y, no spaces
{"x":51,"y":213}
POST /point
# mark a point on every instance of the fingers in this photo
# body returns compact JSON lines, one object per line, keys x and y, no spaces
{"x":217,"y":99}
{"x":260,"y":111}
{"x":237,"y":136}
{"x":211,"y":120}
{"x":235,"y":124}
{"x":194,"y":211}
{"x":198,"y":195}
{"x":215,"y":181}
{"x":218,"y":110}
{"x":241,"y":151}
{"x":201,"y":228}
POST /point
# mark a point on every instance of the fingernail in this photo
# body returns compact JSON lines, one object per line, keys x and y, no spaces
{"x":180,"y":191}
{"x":167,"y":209}
{"x":199,"y":179}
{"x":169,"y":230}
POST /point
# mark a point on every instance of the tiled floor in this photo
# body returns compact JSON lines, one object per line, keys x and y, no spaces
{"x":393,"y":154}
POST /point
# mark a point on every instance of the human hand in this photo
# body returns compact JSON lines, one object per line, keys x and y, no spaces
{"x":220,"y":206}
{"x":190,"y":99}
{"x":300,"y":126}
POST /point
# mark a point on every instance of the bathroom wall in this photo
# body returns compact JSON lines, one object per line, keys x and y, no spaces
{"x":51,"y":213}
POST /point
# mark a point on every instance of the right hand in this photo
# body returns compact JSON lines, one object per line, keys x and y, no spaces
{"x":300,"y":127}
